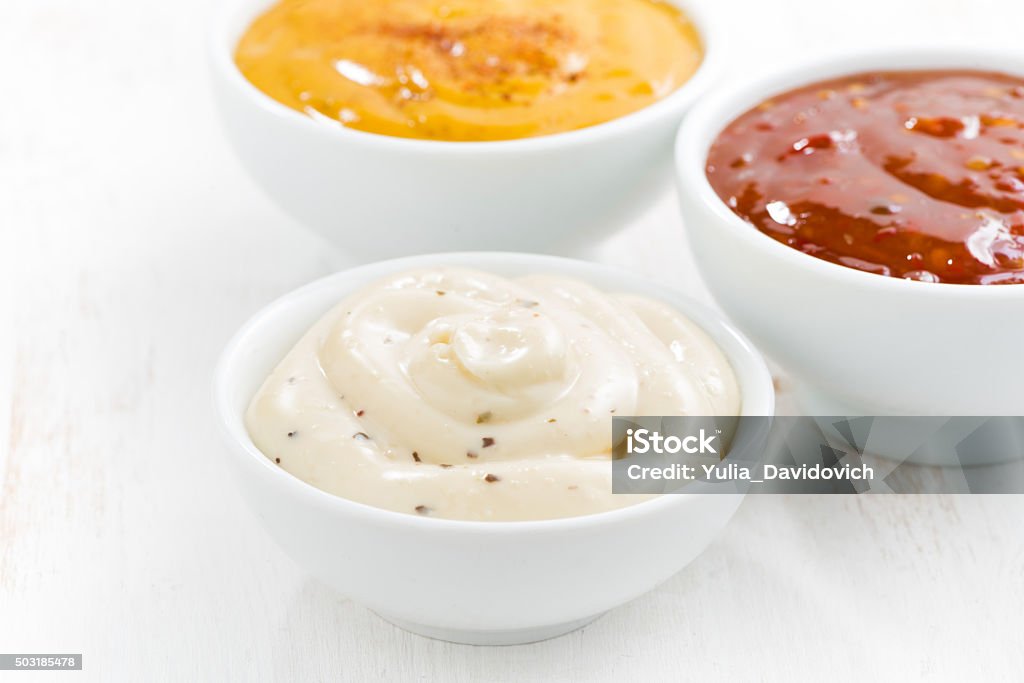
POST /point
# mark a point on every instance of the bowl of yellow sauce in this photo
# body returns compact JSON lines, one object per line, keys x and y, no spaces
{"x":469,"y":70}
{"x":403,"y":126}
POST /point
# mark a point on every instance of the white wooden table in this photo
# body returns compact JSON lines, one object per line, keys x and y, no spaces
{"x":132,"y":245}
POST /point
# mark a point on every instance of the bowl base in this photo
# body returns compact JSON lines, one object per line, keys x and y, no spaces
{"x":503,"y":637}
{"x":933,"y":442}
{"x":813,"y":401}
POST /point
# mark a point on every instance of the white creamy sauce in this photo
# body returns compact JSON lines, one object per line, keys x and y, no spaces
{"x":463,"y":395}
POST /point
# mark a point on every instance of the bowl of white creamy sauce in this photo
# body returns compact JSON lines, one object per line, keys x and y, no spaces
{"x":432,"y":436}
{"x":462,"y":394}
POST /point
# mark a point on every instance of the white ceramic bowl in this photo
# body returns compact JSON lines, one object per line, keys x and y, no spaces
{"x":858,"y":343}
{"x":376,"y":196}
{"x":470,"y":582}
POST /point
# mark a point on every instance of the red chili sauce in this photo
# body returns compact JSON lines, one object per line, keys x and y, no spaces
{"x":916,"y":174}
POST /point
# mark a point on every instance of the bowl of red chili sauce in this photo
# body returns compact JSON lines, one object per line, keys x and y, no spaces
{"x":862,"y":218}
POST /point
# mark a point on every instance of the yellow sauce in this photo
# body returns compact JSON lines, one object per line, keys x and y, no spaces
{"x":469,"y":70}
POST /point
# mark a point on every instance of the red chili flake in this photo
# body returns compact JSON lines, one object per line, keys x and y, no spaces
{"x":490,"y":478}
{"x":291,"y":434}
{"x":809,"y":144}
{"x":416,"y":456}
{"x":277,"y":460}
{"x":936,"y":126}
{"x":422,"y":509}
{"x":741,"y":161}
{"x":360,"y":413}
{"x":488,"y":442}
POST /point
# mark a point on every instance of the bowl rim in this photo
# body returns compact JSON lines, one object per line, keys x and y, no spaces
{"x":236,"y":15}
{"x":758,"y":396}
{"x":716,"y":111}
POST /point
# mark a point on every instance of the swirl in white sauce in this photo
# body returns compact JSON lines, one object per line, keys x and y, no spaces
{"x":464,"y":395}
